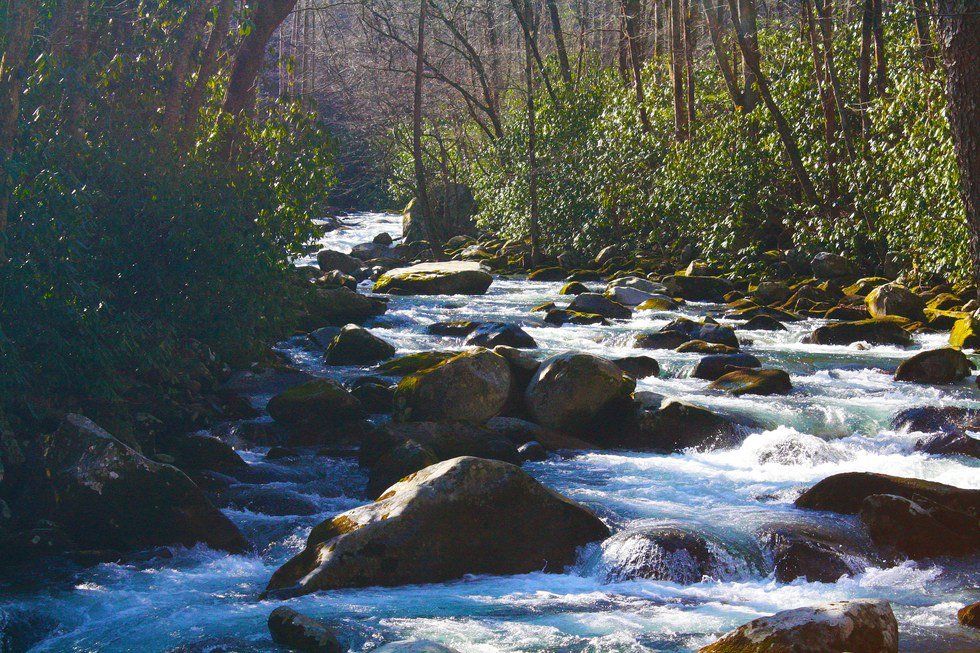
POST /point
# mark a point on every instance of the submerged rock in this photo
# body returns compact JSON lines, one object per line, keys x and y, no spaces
{"x":863,"y":626}
{"x":461,"y":516}
{"x":875,"y":331}
{"x":356,"y":345}
{"x":108,"y":496}
{"x":939,"y":366}
{"x":670,"y":553}
{"x":569,"y":390}
{"x":447,"y":278}
{"x":753,"y":382}
{"x":471,"y":387}
{"x":298,"y":632}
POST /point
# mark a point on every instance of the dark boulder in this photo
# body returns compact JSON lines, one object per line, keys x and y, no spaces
{"x":753,"y":382}
{"x":697,"y":288}
{"x":472,"y":386}
{"x":398,"y":462}
{"x":929,"y":419}
{"x":707,"y":331}
{"x":639,"y":367}
{"x":197,"y":451}
{"x":339,"y":306}
{"x":939,"y":366}
{"x":875,"y":331}
{"x":969,"y":615}
{"x":356,"y":345}
{"x":832,"y":266}
{"x":570,"y":390}
{"x":297,"y":632}
{"x":319,"y":403}
{"x":809,"y":552}
{"x":532,"y":451}
{"x":717,"y":365}
{"x":845,"y":493}
{"x":702,"y":347}
{"x":457,"y":328}
{"x":596,"y":304}
{"x":919,"y":527}
{"x":763,"y":323}
{"x":950,"y":443}
{"x":492,"y":334}
{"x":674,"y":426}
{"x":661,"y":340}
{"x":329,"y":260}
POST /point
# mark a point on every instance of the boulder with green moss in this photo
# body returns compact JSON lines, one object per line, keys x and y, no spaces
{"x":965,"y":333}
{"x":339,"y":306}
{"x":444,"y":278}
{"x":411,"y":363}
{"x":945,"y":365}
{"x":356,"y":345}
{"x":322,"y":402}
{"x":894,"y":299}
{"x":570,"y":390}
{"x":472,"y":387}
{"x":458,"y":517}
{"x":753,"y":382}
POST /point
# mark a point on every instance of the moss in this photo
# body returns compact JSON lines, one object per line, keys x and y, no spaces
{"x":965,"y":333}
{"x":411,"y":363}
{"x":656,"y":304}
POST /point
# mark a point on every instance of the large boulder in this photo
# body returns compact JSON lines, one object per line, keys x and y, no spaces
{"x":668,"y":553}
{"x":919,"y":527}
{"x":674,"y":426}
{"x":451,"y":210}
{"x":639,"y":367}
{"x":355,"y":345}
{"x":814,"y":553}
{"x":493,"y":334}
{"x":319,"y":403}
{"x":940,"y":366}
{"x":845,"y":493}
{"x":707,"y":331}
{"x":876,"y":331}
{"x":965,"y":333}
{"x":628,"y":296}
{"x":330,"y":260}
{"x":969,"y":615}
{"x":697,"y":289}
{"x":570,"y":390}
{"x":753,"y":382}
{"x":863,"y":626}
{"x":461,"y":516}
{"x":894,"y":299}
{"x":831,"y":266}
{"x":949,"y":443}
{"x":716,"y":365}
{"x":297,"y":632}
{"x":594,"y":303}
{"x":471,"y":387}
{"x":928,"y":419}
{"x":339,"y":306}
{"x":447,"y":278}
{"x":108,"y":496}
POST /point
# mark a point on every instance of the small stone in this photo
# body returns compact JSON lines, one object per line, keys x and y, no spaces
{"x":301,"y":633}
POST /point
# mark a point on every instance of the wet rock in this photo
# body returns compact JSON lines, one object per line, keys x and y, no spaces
{"x":920,"y":528}
{"x":638,"y":283}
{"x":376,"y":397}
{"x":597,"y":304}
{"x":411,"y":363}
{"x":453,"y":439}
{"x":551,"y":273}
{"x":667,"y":553}
{"x":847,"y":314}
{"x":323,"y":336}
{"x":894,"y":299}
{"x":471,"y":386}
{"x":874,"y":331}
{"x":520,"y":431}
{"x":845,"y":493}
{"x":384,"y":238}
{"x":279,"y":453}
{"x":196,"y":451}
{"x":376,"y":252}
{"x":697,"y":288}
{"x":560,"y":316}
{"x":415,"y":646}
{"x":928,"y":419}
{"x":661,"y":340}
{"x":398,"y":462}
{"x":532,"y":451}
{"x":639,"y":367}
{"x":338,"y":306}
{"x":356,"y":345}
{"x":969,"y":615}
{"x":965,"y":333}
{"x":297,"y":632}
{"x":862,"y":287}
{"x":457,"y":517}
{"x":569,"y":390}
{"x":657,"y":303}
{"x":628,"y":296}
{"x":323,"y":402}
{"x":763,"y":323}
{"x":108,"y":496}
{"x":717,"y":365}
{"x":753,"y":382}
{"x":862,"y":626}
{"x":447,"y":278}
{"x":455,"y":328}
{"x":336,"y":279}
{"x":674,"y":426}
{"x":573,"y":288}
{"x":771,"y":292}
{"x":811,"y":553}
{"x":268,"y":500}
{"x":831,"y":266}
{"x":702,"y":347}
{"x":950,"y":443}
{"x":492,"y":334}
{"x":707,"y":331}
{"x":607,"y":254}
{"x":938,"y":366}
{"x":329,"y":259}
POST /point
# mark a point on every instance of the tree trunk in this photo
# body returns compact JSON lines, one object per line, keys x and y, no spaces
{"x":421,"y":190}
{"x":267,"y":16}
{"x":922,"y":33}
{"x":721,"y":56}
{"x":825,"y":11}
{"x":532,"y":166}
{"x":677,"y":57}
{"x":556,"y":31}
{"x":959,"y":37}
{"x":631,"y":10}
{"x":881,"y":66}
{"x":864,"y":64}
{"x":21,"y":18}
{"x":782,"y":127}
{"x":747,"y":31}
{"x":690,"y":44}
{"x":209,"y":65}
{"x":188,"y":35}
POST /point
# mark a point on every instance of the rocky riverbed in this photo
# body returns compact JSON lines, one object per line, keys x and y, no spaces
{"x":701,"y":540}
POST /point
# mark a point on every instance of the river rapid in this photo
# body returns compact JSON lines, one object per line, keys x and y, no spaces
{"x":835,"y":420}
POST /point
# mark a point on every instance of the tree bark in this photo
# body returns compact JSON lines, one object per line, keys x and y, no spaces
{"x":878,"y":32}
{"x":959,"y":38}
{"x":746,"y":29}
{"x":864,"y":64}
{"x":631,"y":10}
{"x":188,"y":35}
{"x":923,"y":35}
{"x":556,"y":31}
{"x":677,"y":57}
{"x":421,"y":190}
{"x":532,"y":165}
{"x":209,"y":65}
{"x":21,"y":18}
{"x":690,"y":44}
{"x":712,"y":18}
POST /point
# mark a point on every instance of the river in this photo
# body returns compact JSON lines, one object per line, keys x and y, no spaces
{"x":836,"y":420}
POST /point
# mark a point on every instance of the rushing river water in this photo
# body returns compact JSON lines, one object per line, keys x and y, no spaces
{"x":836,"y":420}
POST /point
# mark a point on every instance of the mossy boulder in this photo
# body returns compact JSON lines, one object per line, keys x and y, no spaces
{"x":753,"y":382}
{"x":461,"y":516}
{"x":697,"y":288}
{"x":884,"y":331}
{"x":597,"y":304}
{"x":707,"y":330}
{"x":472,"y":387}
{"x":714,"y":366}
{"x":661,"y":340}
{"x":453,"y":328}
{"x":559,"y":316}
{"x":702,"y":347}
{"x":322,"y":402}
{"x":445,"y":278}
{"x":863,"y":626}
{"x":570,"y":390}
{"x":573,"y":288}
{"x":330,"y":260}
{"x":355,"y":345}
{"x":339,"y":306}
{"x":969,"y":615}
{"x":416,"y":362}
{"x":657,"y":303}
{"x":862,"y":287}
{"x":965,"y":333}
{"x":894,"y":299}
{"x":945,"y":302}
{"x":946,"y":365}
{"x":493,"y":334}
{"x":553,"y":273}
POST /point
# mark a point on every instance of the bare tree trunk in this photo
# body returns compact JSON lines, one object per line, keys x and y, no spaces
{"x":712,"y":18}
{"x":209,"y":65}
{"x":782,"y":126}
{"x":922,"y":33}
{"x":21,"y":18}
{"x":532,"y":164}
{"x":959,"y":37}
{"x":677,"y":70}
{"x":563,"y":65}
{"x":690,"y":43}
{"x":421,"y":190}
{"x":188,"y":35}
{"x":864,"y":64}
{"x":826,"y":93}
{"x":631,"y":10}
{"x":747,"y":31}
{"x":825,"y":13}
{"x":881,"y":66}
{"x":267,"y":16}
